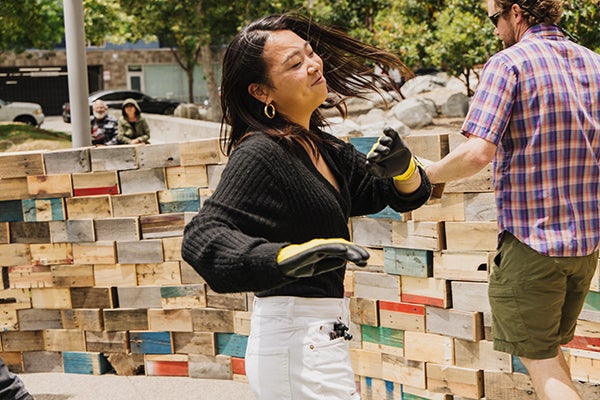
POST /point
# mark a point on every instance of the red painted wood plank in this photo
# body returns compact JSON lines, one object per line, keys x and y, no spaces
{"x":431,"y":301}
{"x":96,"y":190}
{"x":402,"y":307}
{"x":238,"y":365}
{"x":167,"y":368}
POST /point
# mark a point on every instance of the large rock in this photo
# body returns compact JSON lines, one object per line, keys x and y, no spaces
{"x":423,"y":84}
{"x":413,"y":112}
{"x":457,"y":105}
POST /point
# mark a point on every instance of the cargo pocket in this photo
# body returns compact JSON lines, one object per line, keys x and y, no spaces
{"x":508,"y":325}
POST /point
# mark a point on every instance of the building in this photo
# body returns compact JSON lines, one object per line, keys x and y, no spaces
{"x":40,"y":76}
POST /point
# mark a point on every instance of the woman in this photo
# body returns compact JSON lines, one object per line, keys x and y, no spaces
{"x":133,"y":127}
{"x":277,"y":223}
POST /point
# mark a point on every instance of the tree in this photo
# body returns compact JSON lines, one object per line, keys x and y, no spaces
{"x":30,"y":24}
{"x":464,"y":39}
{"x":407,"y":28}
{"x":105,"y":20}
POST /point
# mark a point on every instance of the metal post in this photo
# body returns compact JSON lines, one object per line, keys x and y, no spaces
{"x":77,"y":73}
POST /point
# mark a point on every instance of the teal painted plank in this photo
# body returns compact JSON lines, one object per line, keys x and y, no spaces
{"x":364,"y":144}
{"x":150,"y":342}
{"x":77,"y":362}
{"x":179,"y":200}
{"x":410,"y":262}
{"x":592,"y":301}
{"x":387,"y":213}
{"x":179,"y":206}
{"x":382,"y":335}
{"x":53,"y":209}
{"x":232,"y":344}
{"x":517,"y":365}
{"x":409,"y":396}
{"x":11,"y":211}
{"x":171,"y":292}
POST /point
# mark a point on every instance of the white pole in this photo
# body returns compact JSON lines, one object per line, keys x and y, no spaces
{"x":77,"y":73}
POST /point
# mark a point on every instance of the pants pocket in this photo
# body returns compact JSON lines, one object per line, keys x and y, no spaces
{"x":508,"y":325}
{"x":268,"y":373}
{"x":328,"y":363}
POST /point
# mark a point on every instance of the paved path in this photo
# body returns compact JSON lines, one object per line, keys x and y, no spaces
{"x":62,"y":386}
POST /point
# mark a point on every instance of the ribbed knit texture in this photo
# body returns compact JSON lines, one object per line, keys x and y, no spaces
{"x":268,"y":197}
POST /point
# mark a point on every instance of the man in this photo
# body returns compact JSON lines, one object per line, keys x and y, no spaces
{"x":104,"y":126}
{"x":536,"y":114}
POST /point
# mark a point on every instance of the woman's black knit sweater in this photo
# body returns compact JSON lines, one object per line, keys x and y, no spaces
{"x":271,"y":195}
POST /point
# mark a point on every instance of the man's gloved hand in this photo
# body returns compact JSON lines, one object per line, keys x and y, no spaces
{"x":390,"y":157}
{"x":318,"y":256}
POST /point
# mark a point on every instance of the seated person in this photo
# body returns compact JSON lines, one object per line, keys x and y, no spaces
{"x":133,"y":127}
{"x":103,"y":125}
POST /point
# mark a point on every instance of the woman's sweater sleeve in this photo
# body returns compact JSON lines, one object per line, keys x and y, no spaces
{"x":219,"y":242}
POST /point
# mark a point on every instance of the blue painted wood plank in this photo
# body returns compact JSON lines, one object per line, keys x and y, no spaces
{"x":364,"y":144}
{"x":179,"y":200}
{"x":50,"y":209}
{"x":410,"y":262}
{"x":78,"y":362}
{"x":592,"y":301}
{"x":11,"y":211}
{"x":388,"y":213}
{"x":150,"y":342}
{"x":231,"y":344}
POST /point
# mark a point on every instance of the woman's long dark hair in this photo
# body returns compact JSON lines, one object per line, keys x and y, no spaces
{"x":344,"y":67}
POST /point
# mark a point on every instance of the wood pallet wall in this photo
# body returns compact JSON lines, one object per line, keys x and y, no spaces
{"x":93,"y":278}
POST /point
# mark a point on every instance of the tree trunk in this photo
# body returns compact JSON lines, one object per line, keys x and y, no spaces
{"x":190,"y":81}
{"x":215,"y":113}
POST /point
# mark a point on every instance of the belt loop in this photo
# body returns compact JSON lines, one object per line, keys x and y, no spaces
{"x":290,"y":307}
{"x":345,"y":313}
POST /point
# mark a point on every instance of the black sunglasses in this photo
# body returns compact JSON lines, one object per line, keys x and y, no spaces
{"x":494,"y":18}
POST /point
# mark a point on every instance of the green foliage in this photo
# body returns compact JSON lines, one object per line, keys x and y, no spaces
{"x":463,"y":39}
{"x":407,"y":28}
{"x":582,"y":19}
{"x":30,"y":24}
{"x":452,"y":35}
{"x":356,"y":17}
{"x":104,"y":20}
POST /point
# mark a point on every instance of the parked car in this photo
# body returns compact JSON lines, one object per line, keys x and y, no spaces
{"x":114,"y":99}
{"x":28,"y":113}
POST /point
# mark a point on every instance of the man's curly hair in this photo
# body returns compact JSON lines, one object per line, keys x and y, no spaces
{"x":536,"y":11}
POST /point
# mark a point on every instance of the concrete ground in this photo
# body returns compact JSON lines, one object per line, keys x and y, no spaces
{"x":55,"y":123}
{"x":63,"y":386}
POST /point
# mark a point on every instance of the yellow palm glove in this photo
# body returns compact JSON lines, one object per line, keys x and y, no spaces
{"x":318,"y":256}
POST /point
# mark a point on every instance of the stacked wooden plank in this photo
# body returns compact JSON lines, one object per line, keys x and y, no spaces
{"x":421,"y":305}
{"x":93,"y":280}
{"x":92,"y":275}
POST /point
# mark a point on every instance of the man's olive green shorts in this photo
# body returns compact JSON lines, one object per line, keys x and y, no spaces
{"x":536,"y":299}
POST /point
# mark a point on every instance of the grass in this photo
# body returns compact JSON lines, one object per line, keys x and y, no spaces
{"x":21,"y":137}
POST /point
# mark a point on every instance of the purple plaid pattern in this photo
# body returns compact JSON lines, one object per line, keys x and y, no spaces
{"x":539,"y":101}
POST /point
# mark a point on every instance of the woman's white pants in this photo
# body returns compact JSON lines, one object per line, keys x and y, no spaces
{"x":290,"y":354}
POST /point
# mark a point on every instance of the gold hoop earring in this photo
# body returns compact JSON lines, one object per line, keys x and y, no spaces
{"x":270,"y":111}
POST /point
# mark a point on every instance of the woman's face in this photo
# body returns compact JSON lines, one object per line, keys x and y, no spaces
{"x":296,"y":75}
{"x":130,"y":111}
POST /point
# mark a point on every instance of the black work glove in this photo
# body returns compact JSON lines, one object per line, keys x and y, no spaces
{"x":318,"y":256}
{"x":390,"y":157}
